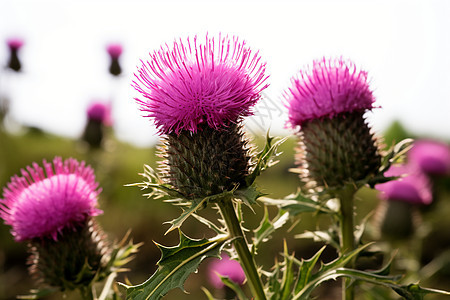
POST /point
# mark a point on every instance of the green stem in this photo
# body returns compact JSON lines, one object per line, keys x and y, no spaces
{"x":240,"y":244}
{"x":347,"y":233}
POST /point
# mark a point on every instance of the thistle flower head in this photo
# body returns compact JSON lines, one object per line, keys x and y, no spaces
{"x":99,"y":111}
{"x":192,"y":83}
{"x":114,"y":50}
{"x":14,"y":43}
{"x":432,"y":157}
{"x":329,"y":88}
{"x":225,"y":267}
{"x":413,"y":186}
{"x":44,"y":201}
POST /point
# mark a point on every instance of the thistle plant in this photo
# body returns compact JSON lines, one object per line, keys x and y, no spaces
{"x":114,"y":51}
{"x":398,"y":215}
{"x":14,"y":45}
{"x":197,"y":94}
{"x":53,"y":209}
{"x":98,"y":116}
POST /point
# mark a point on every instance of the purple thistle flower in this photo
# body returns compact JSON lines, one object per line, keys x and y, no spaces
{"x":100,"y":112}
{"x":330,"y":88}
{"x":190,"y":83}
{"x":114,"y":50}
{"x":41,"y":204}
{"x":432,"y":157}
{"x":225,"y":267}
{"x":15,"y":43}
{"x":414,"y":187}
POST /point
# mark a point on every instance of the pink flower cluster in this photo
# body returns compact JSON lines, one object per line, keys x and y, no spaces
{"x":329,"y":88}
{"x":44,"y":201}
{"x":192,"y":83}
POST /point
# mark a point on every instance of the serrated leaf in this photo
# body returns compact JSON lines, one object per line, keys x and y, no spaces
{"x":288,"y":275}
{"x":158,"y":188}
{"x":175,"y":265}
{"x":122,"y":253}
{"x":209,"y":224}
{"x":248,"y":195}
{"x":273,"y":283}
{"x":305,"y":270}
{"x":194,"y":206}
{"x":307,"y":281}
{"x":297,"y":203}
{"x":265,"y":158}
{"x":267,"y":227}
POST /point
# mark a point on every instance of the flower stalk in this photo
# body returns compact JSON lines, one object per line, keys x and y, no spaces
{"x":345,"y":196}
{"x":228,"y":213}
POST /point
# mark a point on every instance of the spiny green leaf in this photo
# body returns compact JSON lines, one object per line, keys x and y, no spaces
{"x":305,"y":270}
{"x":175,"y":265}
{"x":248,"y":195}
{"x":334,"y":273}
{"x":267,"y":227}
{"x":297,"y":203}
{"x":122,"y":253}
{"x":195,"y":205}
{"x":288,"y":275}
{"x":158,"y":188}
{"x":307,"y":281}
{"x":210,"y":224}
{"x":265,"y":158}
{"x":273,"y":285}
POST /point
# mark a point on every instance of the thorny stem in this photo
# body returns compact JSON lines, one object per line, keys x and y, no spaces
{"x":228,"y":213}
{"x":347,"y":233}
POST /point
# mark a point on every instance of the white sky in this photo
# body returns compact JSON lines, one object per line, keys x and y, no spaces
{"x":404,"y":45}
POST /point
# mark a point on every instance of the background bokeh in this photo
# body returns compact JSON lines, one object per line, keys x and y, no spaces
{"x":404,"y":46}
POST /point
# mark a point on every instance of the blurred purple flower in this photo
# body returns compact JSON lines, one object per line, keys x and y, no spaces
{"x":331,"y":87}
{"x":114,"y":50}
{"x":432,"y":157}
{"x":191,"y":83}
{"x":14,"y":43}
{"x":225,"y":267}
{"x":39,"y":204}
{"x":100,"y":112}
{"x":413,"y":186}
